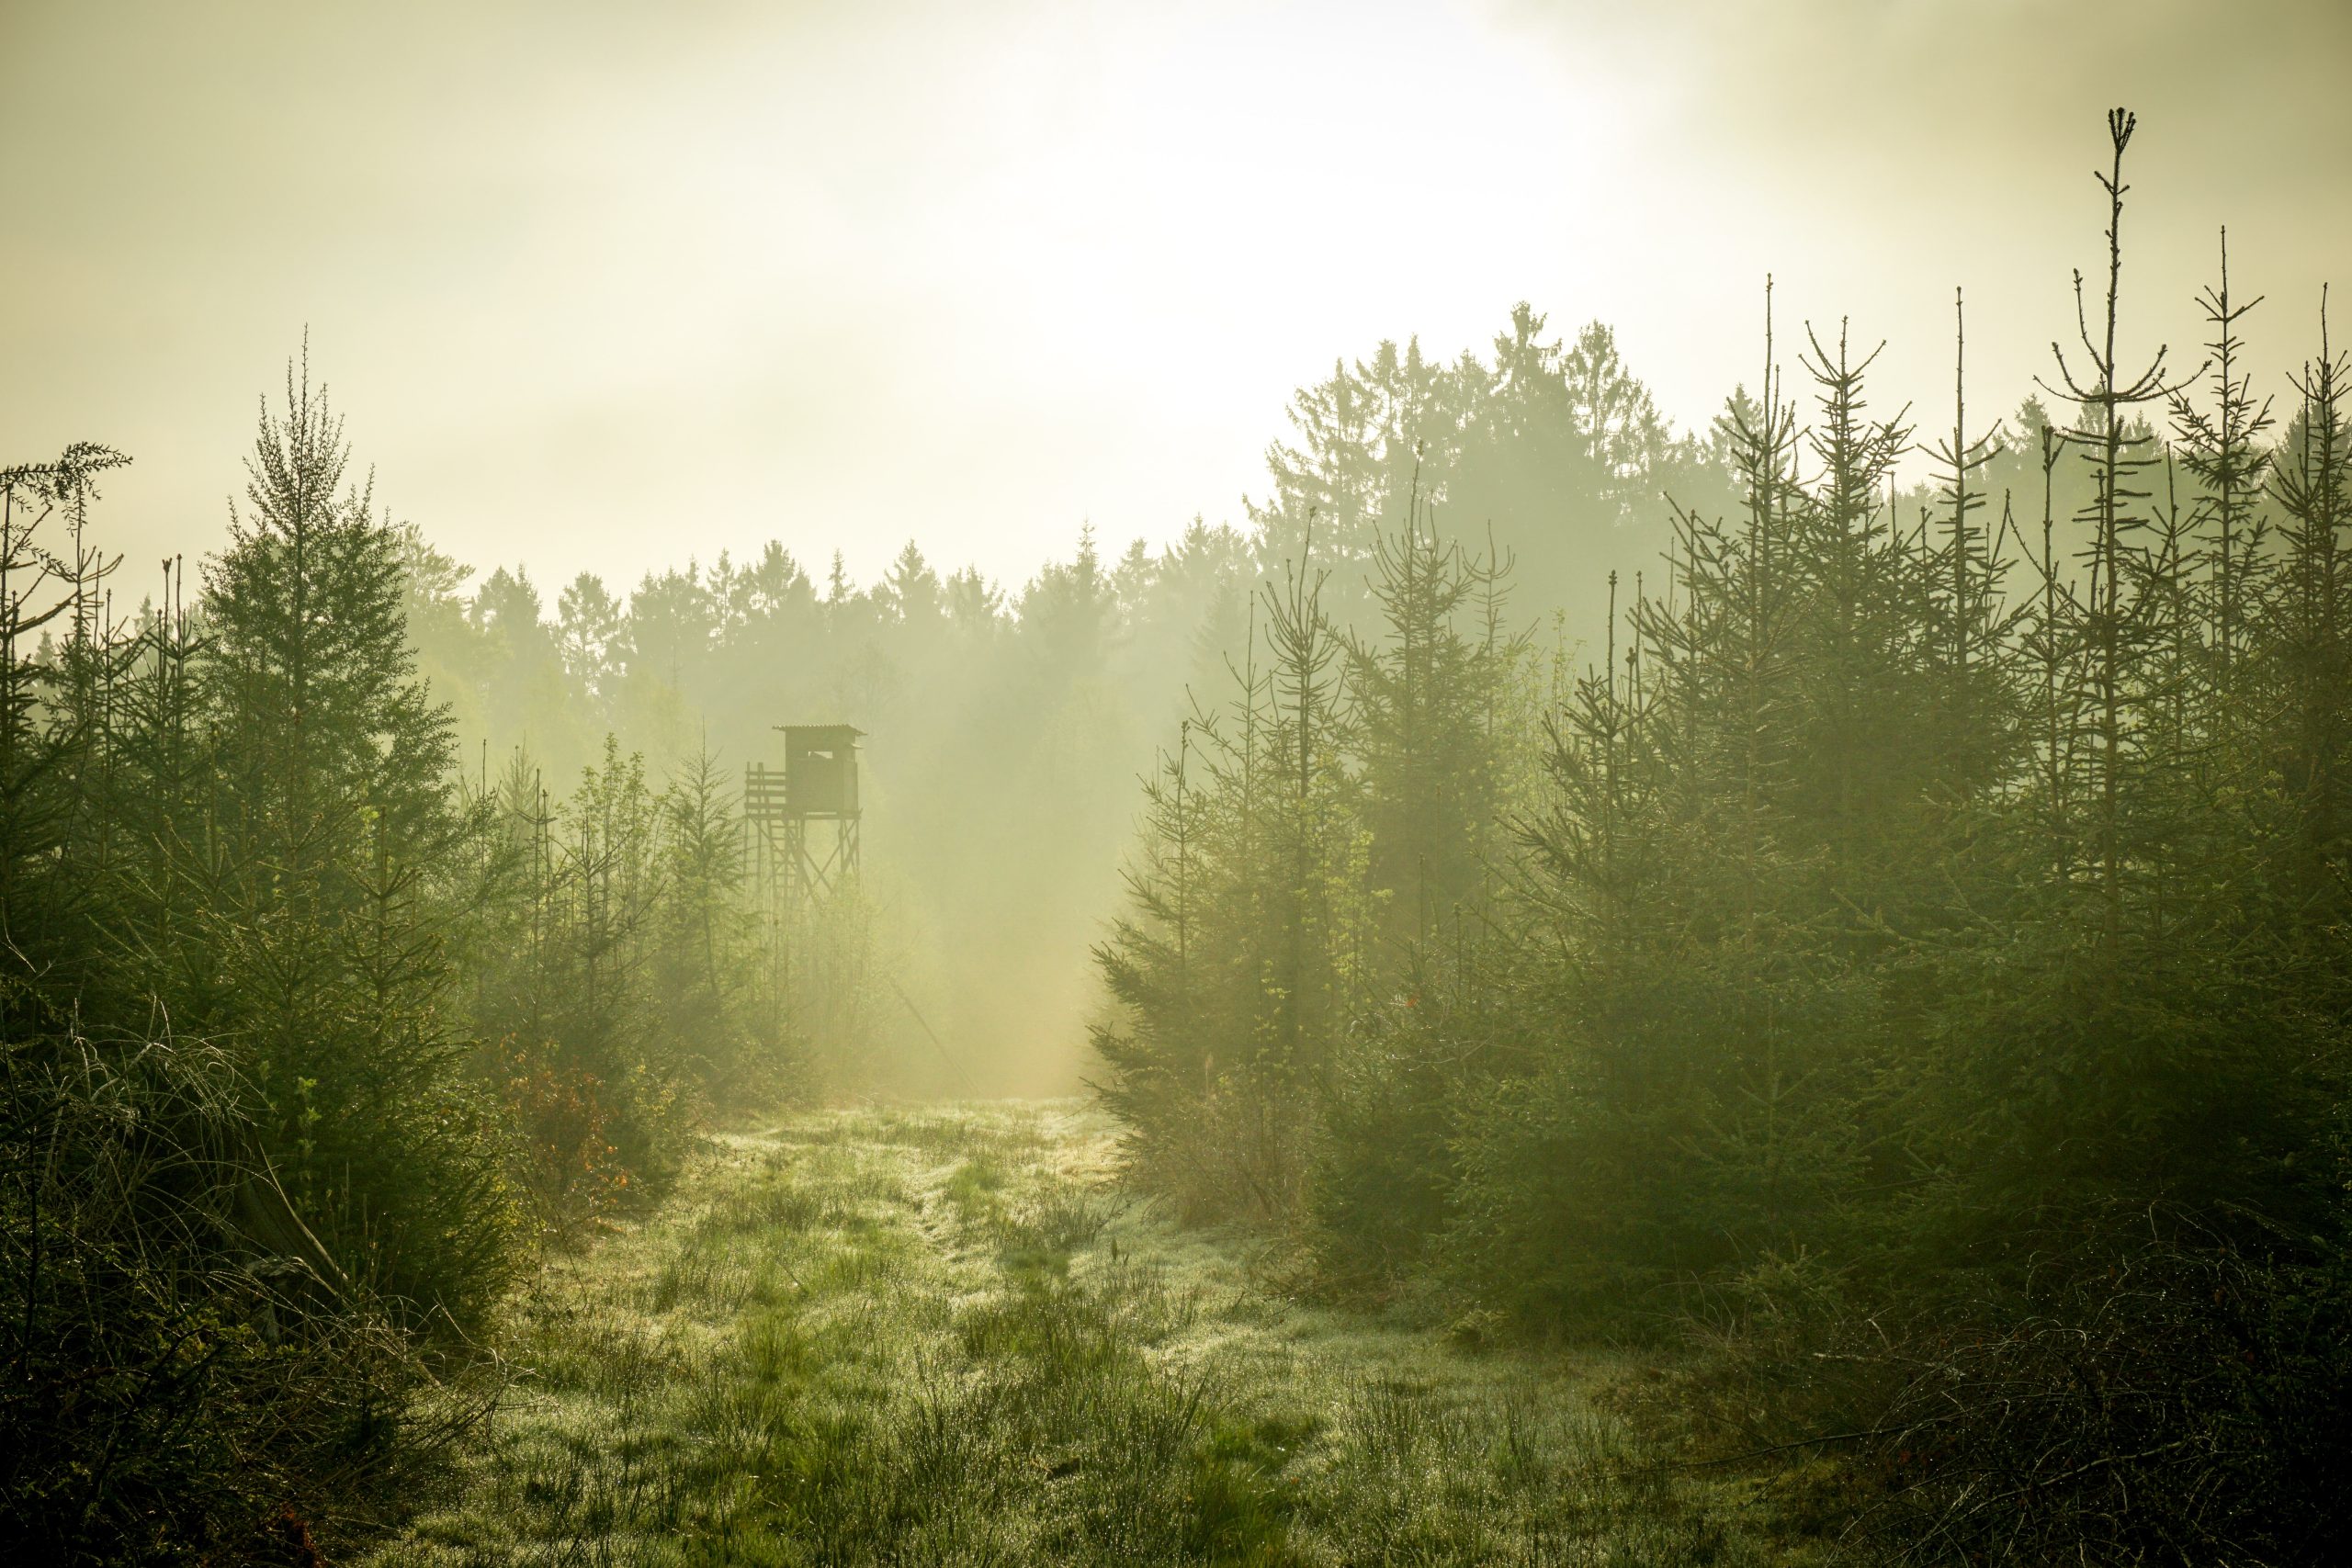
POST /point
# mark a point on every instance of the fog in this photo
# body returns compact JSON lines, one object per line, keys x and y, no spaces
{"x":602,"y":289}
{"x":1558,"y":783}
{"x":602,"y":286}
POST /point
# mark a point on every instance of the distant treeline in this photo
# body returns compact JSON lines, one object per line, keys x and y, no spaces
{"x":1905,"y":952}
{"x":1006,"y":726}
{"x":364,"y":933}
{"x":1599,"y":879}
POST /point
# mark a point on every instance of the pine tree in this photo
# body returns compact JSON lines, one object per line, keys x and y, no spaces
{"x":2117,"y":615}
{"x":2311,"y":635}
{"x":1422,"y":699}
{"x":317,"y":939}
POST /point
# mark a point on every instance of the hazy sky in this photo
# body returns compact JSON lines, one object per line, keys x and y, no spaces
{"x":603,"y":285}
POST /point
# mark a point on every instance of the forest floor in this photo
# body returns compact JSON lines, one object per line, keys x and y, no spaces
{"x":947,"y":1336}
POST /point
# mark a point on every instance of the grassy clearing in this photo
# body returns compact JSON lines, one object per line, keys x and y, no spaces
{"x":941,"y":1337}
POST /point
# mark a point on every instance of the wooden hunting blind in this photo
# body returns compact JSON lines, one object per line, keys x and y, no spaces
{"x":818,"y":784}
{"x":820,"y":770}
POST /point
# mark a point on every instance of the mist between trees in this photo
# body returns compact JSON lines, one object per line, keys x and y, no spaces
{"x":1594,"y":880}
{"x":1908,"y":951}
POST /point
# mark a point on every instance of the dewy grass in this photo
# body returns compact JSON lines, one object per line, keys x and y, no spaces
{"x":943,"y":1337}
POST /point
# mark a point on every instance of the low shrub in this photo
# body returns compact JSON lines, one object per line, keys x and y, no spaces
{"x":2183,"y":1404}
{"x":189,"y":1375}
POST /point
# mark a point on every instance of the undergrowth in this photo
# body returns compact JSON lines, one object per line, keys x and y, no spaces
{"x":941,"y":1338}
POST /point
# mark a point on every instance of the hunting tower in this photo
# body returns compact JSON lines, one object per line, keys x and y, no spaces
{"x":803,"y":820}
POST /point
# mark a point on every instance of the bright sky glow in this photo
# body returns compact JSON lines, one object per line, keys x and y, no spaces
{"x":604,"y":286}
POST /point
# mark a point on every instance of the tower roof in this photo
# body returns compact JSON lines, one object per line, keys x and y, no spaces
{"x":819,"y":736}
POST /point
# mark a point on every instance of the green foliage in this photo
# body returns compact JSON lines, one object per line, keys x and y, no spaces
{"x":241,"y":1159}
{"x":171,"y":1389}
{"x":1557,"y":449}
{"x":322,"y":871}
{"x":618,"y":975}
{"x":1902,"y":908}
{"x":1249,"y":951}
{"x":938,"y":1335}
{"x":1893,"y":906}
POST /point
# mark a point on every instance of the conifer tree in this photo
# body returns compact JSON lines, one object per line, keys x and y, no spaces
{"x":318,"y":938}
{"x":2311,"y":635}
{"x":2117,"y":615}
{"x":2220,"y":446}
{"x":1421,"y":704}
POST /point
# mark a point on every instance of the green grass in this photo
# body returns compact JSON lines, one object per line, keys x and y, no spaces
{"x":945,"y":1337}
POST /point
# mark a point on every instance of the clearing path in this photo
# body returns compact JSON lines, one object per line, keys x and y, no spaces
{"x":944,"y":1336}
